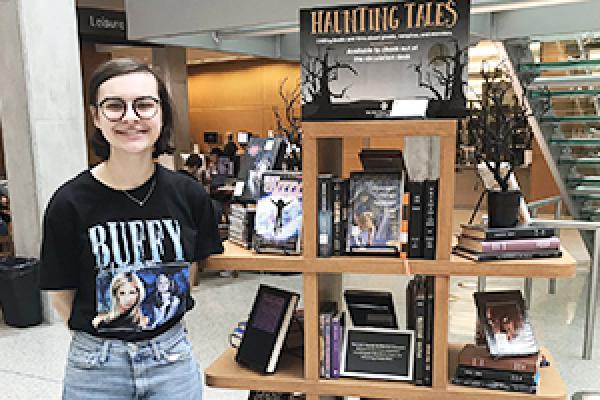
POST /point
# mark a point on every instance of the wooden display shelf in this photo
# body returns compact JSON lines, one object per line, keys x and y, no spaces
{"x":237,"y":258}
{"x":387,"y":128}
{"x":225,"y":372}
{"x":550,"y":386}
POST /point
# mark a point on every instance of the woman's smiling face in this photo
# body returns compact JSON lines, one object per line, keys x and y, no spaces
{"x":130,"y":134}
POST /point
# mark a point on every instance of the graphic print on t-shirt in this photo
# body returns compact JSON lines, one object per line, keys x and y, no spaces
{"x":135,"y":289}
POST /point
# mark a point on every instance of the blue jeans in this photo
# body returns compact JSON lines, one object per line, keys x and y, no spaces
{"x":110,"y":369}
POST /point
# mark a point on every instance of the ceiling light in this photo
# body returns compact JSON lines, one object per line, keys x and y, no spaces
{"x":504,"y":6}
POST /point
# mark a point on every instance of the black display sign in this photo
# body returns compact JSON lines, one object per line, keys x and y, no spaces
{"x":378,"y":353}
{"x":102,"y":24}
{"x":386,"y":60}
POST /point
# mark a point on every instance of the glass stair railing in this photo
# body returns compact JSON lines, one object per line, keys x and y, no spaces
{"x":575,"y":141}
{"x":569,"y":65}
{"x":582,"y":180}
{"x":536,"y":94}
{"x":570,"y":118}
{"x":567,"y":80}
{"x":579,"y":161}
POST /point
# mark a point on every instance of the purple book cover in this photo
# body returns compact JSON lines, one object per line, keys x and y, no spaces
{"x":336,"y":333}
{"x":327,"y":345}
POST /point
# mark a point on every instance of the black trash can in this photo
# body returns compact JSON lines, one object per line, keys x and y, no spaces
{"x":20,"y":291}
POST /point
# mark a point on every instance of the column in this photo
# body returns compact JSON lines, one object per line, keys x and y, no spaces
{"x":171,"y":65}
{"x":41,"y":110}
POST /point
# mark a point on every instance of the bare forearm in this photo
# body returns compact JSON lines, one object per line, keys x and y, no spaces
{"x":62,"y":301}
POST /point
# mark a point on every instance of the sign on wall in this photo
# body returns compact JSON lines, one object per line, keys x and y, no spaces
{"x":387,"y":60}
{"x":102,"y":24}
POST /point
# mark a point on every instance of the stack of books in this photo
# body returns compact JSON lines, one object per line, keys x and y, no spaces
{"x":241,"y":225}
{"x":481,"y":243}
{"x":477,"y":368}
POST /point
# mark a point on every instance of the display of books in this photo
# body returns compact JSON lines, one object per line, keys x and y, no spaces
{"x":480,"y":243}
{"x":262,"y":154}
{"x":507,"y":328}
{"x":278,"y":221}
{"x":375,"y":213}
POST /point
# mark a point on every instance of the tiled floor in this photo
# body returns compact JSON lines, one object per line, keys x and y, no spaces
{"x":32,"y":360}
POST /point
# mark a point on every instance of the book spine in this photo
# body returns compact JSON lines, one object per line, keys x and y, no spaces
{"x":429,"y":326}
{"x":322,"y":345}
{"x":527,"y":378}
{"x":430,"y":219}
{"x":415,"y":220}
{"x":498,"y":385}
{"x":520,"y":233}
{"x":511,"y":255}
{"x":419,"y":330}
{"x":508,"y":364}
{"x":338,"y":237}
{"x":404,"y":225}
{"x":345,"y":194}
{"x":327,"y":345}
{"x":325,"y":203}
{"x":336,"y":331}
{"x":552,"y":243}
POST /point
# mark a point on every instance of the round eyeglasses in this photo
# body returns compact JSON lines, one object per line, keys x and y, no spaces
{"x":115,"y":108}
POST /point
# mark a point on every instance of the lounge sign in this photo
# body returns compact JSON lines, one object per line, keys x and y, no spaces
{"x":102,"y":24}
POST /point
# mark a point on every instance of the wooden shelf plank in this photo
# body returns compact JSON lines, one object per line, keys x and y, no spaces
{"x":550,"y":387}
{"x":371,"y":128}
{"x":225,"y":372}
{"x":237,"y":258}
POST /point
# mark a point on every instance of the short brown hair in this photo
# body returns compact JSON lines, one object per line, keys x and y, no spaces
{"x":124,"y":66}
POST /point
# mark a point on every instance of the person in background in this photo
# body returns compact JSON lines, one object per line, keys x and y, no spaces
{"x":230,"y":149}
{"x":192,"y":166}
{"x":128,"y":214}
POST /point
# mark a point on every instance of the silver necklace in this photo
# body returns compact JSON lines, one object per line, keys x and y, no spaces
{"x":145,"y":199}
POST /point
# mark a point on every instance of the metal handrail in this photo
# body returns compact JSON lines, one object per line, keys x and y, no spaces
{"x":593,"y":282}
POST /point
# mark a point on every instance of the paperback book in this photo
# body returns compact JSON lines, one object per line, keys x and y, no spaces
{"x":262,"y":154}
{"x":375,"y":213}
{"x":278,"y":220}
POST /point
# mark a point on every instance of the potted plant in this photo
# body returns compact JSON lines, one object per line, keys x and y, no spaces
{"x":496,"y":127}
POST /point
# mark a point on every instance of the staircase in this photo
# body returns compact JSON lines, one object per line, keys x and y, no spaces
{"x":562,"y":87}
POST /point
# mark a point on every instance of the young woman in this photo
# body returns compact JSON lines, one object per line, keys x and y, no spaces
{"x":126,"y":215}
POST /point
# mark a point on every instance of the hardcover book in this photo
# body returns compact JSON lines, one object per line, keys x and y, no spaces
{"x":370,"y":308}
{"x":489,"y":246}
{"x":506,"y":255}
{"x":430,"y":202}
{"x":267,"y":328}
{"x":262,"y":154}
{"x":278,"y":220}
{"x":375,"y":213}
{"x":325,"y":215}
{"x":479,"y":357}
{"x":507,"y":328}
{"x":521,"y":231}
{"x":415,"y":220}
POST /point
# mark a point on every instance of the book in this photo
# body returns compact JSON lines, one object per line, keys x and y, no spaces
{"x":262,"y":154}
{"x":490,"y":246}
{"x":326,"y":311}
{"x":267,"y":327}
{"x":528,"y":378}
{"x":375,"y":213}
{"x":370,"y":308}
{"x":519,"y":231}
{"x":420,"y":296}
{"x":278,"y":220}
{"x":404,"y":225}
{"x":430,"y":200}
{"x":325,"y":215}
{"x":415,"y":220}
{"x":339,"y":194}
{"x":382,"y":160}
{"x":429,"y":326}
{"x":498,"y":385}
{"x":479,"y":357}
{"x":337,"y":322}
{"x":505,"y":255}
{"x":507,"y":328}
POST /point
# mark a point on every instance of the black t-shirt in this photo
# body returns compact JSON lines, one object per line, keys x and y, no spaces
{"x":122,"y":257}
